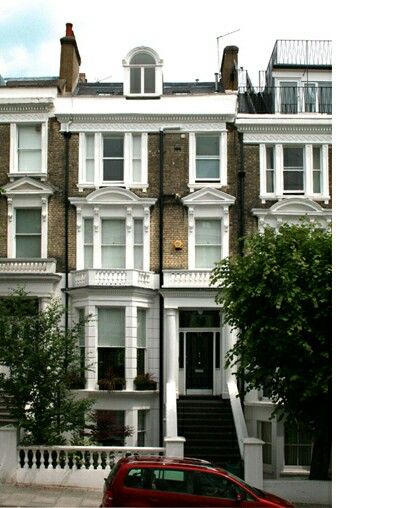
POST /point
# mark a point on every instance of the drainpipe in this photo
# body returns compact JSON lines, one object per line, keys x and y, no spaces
{"x":67,"y":137}
{"x":241,"y":232}
{"x":160,"y":263}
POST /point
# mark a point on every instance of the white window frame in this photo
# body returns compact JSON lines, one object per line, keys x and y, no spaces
{"x":36,"y":202}
{"x":14,"y":169}
{"x":129,"y":214}
{"x":211,"y":213}
{"x":223,"y":163}
{"x":308,"y":172}
{"x":98,"y":180}
{"x":158,"y":64}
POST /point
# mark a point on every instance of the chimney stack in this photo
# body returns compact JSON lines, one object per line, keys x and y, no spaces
{"x":229,"y":65}
{"x":70,"y":59}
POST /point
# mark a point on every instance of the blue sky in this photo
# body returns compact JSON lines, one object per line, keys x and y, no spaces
{"x":183,"y":33}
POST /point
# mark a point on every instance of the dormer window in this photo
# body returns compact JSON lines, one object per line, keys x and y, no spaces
{"x":143,"y":73}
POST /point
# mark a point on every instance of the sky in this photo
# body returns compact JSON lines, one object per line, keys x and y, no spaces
{"x":183,"y":33}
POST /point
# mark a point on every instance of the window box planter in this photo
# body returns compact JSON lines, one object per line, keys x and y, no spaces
{"x":145,"y":382}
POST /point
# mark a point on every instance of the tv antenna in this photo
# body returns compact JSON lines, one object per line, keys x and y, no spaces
{"x":220,"y":37}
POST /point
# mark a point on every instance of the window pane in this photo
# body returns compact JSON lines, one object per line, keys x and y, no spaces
{"x":141,"y":328}
{"x":270,"y":158}
{"x":293,"y":157}
{"x":140,"y":363}
{"x":88,"y":231}
{"x":113,"y":257}
{"x":316,"y":182}
{"x":270,"y":181}
{"x":30,"y":136}
{"x":138,"y":232}
{"x":150,"y":80}
{"x":113,"y":232}
{"x":30,"y":161}
{"x":136,"y":80}
{"x":206,"y":257}
{"x":288,"y":97}
{"x":113,"y":170}
{"x":207,"y":169}
{"x":111,"y":327}
{"x":293,"y":180}
{"x":207,"y":145}
{"x":28,"y":220}
{"x":138,"y":258}
{"x":81,"y":317}
{"x":88,"y":256}
{"x":136,"y":146}
{"x":89,"y":170}
{"x":28,"y":247}
{"x":142,"y":58}
{"x":310,"y":97}
{"x":203,"y":319}
{"x":316,"y":157}
{"x":89,"y":146}
{"x":113,"y":146}
{"x":208,"y":232}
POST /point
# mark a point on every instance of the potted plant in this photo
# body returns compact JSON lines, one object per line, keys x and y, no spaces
{"x":145,"y":382}
{"x":111,"y":381}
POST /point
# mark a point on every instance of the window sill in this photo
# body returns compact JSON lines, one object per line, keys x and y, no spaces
{"x":275,"y":197}
{"x":23,"y":174}
{"x":201,"y":185}
{"x":143,"y":186}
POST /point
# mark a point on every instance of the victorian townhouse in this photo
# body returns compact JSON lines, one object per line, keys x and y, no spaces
{"x":119,"y":198}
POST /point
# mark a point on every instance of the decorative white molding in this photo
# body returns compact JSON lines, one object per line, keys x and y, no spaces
{"x":27,"y":266}
{"x":226,"y":219}
{"x":141,"y":123}
{"x":285,"y":137}
{"x":187,"y":279}
{"x":114,"y":278}
{"x":207,"y":196}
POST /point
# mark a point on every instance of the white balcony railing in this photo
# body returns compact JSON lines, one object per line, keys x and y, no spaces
{"x":26,"y":265}
{"x":187,"y":279}
{"x":113,"y":278}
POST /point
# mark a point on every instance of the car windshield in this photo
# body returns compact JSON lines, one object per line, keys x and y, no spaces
{"x":258,"y":492}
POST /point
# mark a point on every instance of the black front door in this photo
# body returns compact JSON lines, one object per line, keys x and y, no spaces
{"x":199,"y":361}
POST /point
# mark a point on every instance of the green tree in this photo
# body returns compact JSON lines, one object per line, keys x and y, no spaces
{"x":43,"y":360}
{"x":278,"y":297}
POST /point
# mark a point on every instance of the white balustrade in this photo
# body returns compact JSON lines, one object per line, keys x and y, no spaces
{"x":114,"y":278}
{"x":78,"y":457}
{"x":27,"y":265}
{"x":187,"y":279}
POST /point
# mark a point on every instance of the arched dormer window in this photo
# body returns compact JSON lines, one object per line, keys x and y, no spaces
{"x":143,"y":73}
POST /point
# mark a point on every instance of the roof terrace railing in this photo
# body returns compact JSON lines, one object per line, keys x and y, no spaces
{"x":302,"y":52}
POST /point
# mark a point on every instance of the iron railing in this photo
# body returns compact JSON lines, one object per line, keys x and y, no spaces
{"x":292,"y":99}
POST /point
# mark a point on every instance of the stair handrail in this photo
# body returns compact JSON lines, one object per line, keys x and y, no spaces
{"x":238,"y":415}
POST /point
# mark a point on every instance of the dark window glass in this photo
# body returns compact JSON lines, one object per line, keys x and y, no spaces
{"x":199,"y":319}
{"x":293,"y":180}
{"x":212,"y":485}
{"x":142,"y":59}
{"x":141,"y":357}
{"x":181,"y":350}
{"x":113,"y":146}
{"x":298,"y":445}
{"x":136,"y":80}
{"x":111,"y":368}
{"x":113,"y":169}
{"x":149,"y":80}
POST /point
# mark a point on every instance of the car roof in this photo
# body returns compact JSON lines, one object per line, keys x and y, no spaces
{"x":148,"y":460}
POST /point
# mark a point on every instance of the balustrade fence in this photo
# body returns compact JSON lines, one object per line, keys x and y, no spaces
{"x":78,"y":457}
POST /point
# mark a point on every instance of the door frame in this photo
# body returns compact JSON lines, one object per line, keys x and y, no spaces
{"x":183,"y":370}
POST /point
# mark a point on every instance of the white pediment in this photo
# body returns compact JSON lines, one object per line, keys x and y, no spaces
{"x":26,"y":185}
{"x":113,"y":196}
{"x":208,"y":196}
{"x":296,"y":207}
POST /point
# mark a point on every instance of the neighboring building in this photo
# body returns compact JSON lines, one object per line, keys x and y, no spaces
{"x":119,"y":198}
{"x":286,"y":127}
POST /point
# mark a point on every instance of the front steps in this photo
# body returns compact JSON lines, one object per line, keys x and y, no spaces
{"x":208,"y":426}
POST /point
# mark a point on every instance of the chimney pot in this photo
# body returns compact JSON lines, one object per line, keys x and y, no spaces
{"x":68,"y":31}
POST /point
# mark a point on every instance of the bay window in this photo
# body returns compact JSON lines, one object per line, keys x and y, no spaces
{"x":28,"y":233}
{"x":111,"y":347}
{"x":208,"y":243}
{"x":294,"y":170}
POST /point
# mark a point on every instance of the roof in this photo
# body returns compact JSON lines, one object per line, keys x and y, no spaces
{"x":29,"y":82}
{"x":112,"y":88}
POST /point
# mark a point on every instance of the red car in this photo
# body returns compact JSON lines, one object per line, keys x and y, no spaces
{"x":163,"y":481}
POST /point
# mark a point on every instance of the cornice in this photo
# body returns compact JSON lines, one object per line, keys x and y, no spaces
{"x":140,"y":122}
{"x":24,"y":106}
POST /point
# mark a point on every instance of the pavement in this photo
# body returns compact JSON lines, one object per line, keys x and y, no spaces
{"x":12,"y":495}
